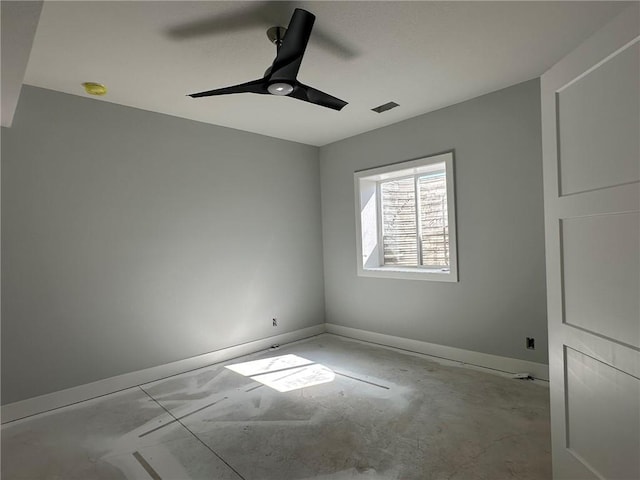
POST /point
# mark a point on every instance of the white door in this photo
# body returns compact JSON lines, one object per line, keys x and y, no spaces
{"x":591,"y":149}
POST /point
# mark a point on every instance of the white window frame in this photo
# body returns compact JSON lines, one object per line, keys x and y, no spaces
{"x":370,"y":255}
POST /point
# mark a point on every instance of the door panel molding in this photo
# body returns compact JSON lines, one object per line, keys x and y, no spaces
{"x":593,"y":365}
{"x":595,"y":120}
{"x":604,"y":407}
{"x":600,"y":262}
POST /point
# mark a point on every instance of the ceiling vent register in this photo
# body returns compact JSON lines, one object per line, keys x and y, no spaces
{"x":385,"y":107}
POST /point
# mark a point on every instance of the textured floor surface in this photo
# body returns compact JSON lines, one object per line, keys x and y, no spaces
{"x":380,"y":414}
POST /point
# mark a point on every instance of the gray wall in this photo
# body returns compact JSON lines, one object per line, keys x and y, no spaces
{"x":132,"y":239}
{"x":500,"y":298}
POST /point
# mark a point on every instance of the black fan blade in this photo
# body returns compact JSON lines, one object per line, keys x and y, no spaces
{"x":259,"y":14}
{"x":312,"y":95}
{"x":254,"y":86}
{"x":218,"y":25}
{"x":248,"y":15}
{"x":287,"y":63}
{"x":331,"y":42}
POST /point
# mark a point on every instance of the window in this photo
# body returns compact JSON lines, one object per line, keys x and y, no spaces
{"x":405,"y":220}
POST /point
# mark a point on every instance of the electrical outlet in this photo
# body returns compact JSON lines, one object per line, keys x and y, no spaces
{"x":275,"y":322}
{"x":531,"y":343}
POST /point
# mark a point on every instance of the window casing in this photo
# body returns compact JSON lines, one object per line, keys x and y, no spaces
{"x":405,"y":220}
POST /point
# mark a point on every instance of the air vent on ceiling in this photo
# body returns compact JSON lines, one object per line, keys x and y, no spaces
{"x":385,"y":107}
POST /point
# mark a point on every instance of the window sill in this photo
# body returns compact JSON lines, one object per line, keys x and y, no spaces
{"x":408,"y":273}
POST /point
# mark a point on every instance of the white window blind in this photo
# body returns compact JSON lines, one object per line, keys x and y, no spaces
{"x":415,"y":226}
{"x":398,"y":198}
{"x":434,"y":224}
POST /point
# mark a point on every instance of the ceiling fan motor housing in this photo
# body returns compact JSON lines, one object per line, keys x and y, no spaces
{"x":281,"y":77}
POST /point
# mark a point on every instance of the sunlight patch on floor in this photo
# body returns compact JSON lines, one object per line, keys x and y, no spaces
{"x":285,"y":373}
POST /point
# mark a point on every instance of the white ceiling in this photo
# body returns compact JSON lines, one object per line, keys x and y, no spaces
{"x":422,"y":55}
{"x":18,"y":25}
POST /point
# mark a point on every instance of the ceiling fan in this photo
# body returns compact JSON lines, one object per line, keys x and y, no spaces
{"x":281,"y":77}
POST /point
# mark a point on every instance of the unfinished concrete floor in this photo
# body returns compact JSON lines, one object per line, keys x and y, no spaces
{"x":380,"y":414}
